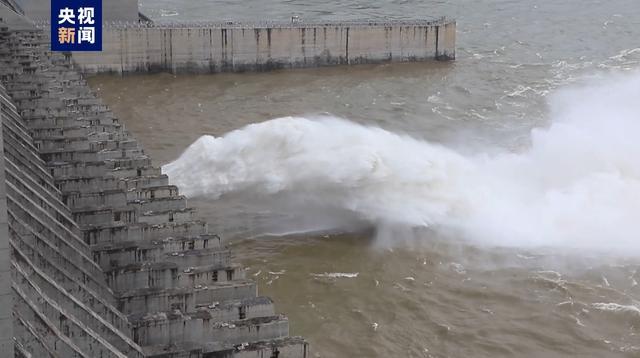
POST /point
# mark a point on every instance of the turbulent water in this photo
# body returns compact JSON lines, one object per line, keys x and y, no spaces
{"x":483,"y":208}
{"x":578,"y":183}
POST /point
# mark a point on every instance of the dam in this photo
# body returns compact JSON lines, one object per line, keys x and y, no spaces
{"x":100,"y":256}
{"x":239,"y":47}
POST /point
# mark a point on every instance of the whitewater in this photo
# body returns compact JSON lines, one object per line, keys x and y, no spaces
{"x":577,"y":185}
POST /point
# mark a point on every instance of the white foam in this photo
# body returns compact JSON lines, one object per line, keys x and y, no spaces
{"x":617,"y":308}
{"x":578,"y":185}
{"x":336,"y":274}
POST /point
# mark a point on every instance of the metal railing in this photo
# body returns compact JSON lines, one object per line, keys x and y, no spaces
{"x":295,"y":23}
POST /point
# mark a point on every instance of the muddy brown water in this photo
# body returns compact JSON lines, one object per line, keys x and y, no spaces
{"x":435,"y":297}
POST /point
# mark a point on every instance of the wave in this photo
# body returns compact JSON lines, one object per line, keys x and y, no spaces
{"x":627,"y":310}
{"x":336,"y":275}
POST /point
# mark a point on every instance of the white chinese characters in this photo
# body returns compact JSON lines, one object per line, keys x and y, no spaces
{"x":85,"y":33}
{"x":86,"y":16}
{"x":66,"y":15}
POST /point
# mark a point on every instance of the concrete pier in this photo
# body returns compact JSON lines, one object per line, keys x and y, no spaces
{"x":231,"y":47}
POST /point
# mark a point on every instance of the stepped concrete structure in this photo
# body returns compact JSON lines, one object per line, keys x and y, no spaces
{"x":99,"y":255}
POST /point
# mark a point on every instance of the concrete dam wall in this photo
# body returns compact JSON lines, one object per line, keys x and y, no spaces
{"x":99,"y":255}
{"x":259,"y":47}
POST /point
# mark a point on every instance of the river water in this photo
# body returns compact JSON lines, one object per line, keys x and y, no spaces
{"x":449,"y":229}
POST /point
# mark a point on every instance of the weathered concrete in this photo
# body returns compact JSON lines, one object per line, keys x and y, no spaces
{"x":11,"y":18}
{"x":260,"y":47}
{"x":6,"y":296}
{"x":99,"y":256}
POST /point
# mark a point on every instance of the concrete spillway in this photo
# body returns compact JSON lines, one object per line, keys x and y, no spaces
{"x":105,"y":258}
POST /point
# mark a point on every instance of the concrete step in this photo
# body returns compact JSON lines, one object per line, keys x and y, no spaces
{"x":90,"y":218}
{"x":226,"y":311}
{"x":48,"y":112}
{"x":93,"y":142}
{"x":189,"y":298}
{"x":107,"y":198}
{"x":46,"y":90}
{"x":287,"y":347}
{"x":160,"y":217}
{"x":142,"y":182}
{"x":202,"y":276}
{"x":168,"y":274}
{"x":151,"y":193}
{"x":87,"y":107}
{"x":161,"y":204}
{"x":179,"y":250}
{"x":39,"y":102}
{"x":90,"y":155}
{"x":99,"y":184}
{"x":117,"y":198}
{"x":188,"y":259}
{"x":130,"y":172}
{"x":86,"y":98}
{"x":141,"y":162}
{"x":140,"y":231}
{"x":99,"y":123}
{"x":168,"y":329}
{"x":145,"y":275}
{"x":101,"y":141}
{"x":87,"y":184}
{"x":63,"y":170}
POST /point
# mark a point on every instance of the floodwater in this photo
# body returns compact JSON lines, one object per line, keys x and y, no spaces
{"x":363,"y":290}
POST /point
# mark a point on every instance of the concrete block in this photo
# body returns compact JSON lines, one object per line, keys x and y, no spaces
{"x":7,"y":345}
{"x":6,"y":302}
{"x":5,"y":257}
{"x":5,"y":281}
{"x":4,"y":234}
